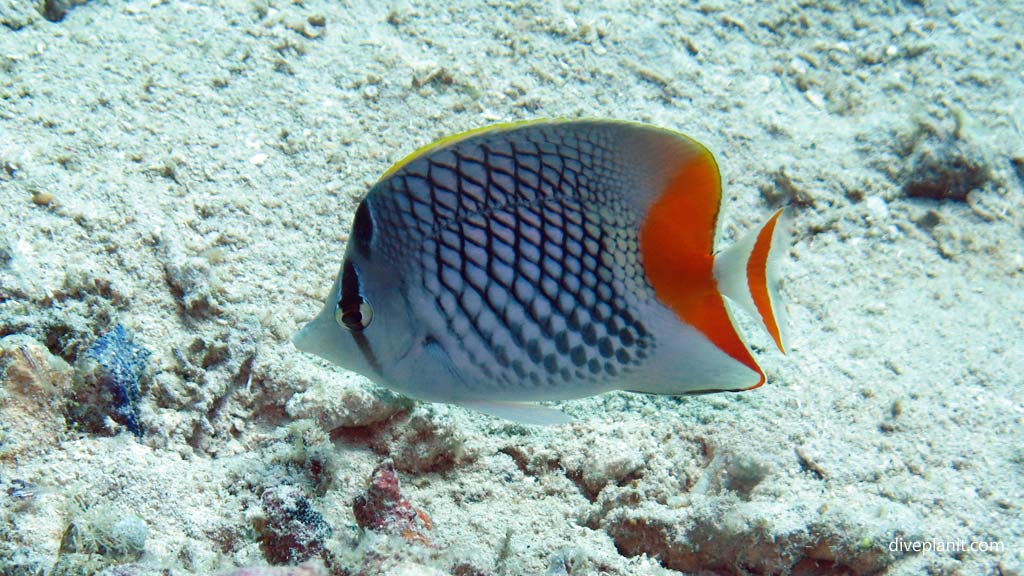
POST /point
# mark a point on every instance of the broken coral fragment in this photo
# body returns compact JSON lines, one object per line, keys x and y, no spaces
{"x":34,"y":385}
{"x":291,"y":530}
{"x":112,"y":386}
{"x":384,"y":509}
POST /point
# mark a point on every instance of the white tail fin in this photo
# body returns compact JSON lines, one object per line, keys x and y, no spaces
{"x":747,"y":274}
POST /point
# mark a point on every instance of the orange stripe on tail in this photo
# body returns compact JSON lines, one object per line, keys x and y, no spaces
{"x":757,"y":279}
{"x":676,"y":244}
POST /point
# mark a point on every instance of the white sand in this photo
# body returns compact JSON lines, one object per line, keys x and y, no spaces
{"x":203,"y":161}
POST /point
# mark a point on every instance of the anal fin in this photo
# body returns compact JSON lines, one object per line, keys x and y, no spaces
{"x":522,"y":412}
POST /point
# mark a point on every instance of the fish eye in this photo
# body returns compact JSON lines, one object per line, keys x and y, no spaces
{"x":355,"y":316}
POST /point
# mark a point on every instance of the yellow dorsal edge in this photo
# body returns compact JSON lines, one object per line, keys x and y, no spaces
{"x":505,"y":126}
{"x":455,"y":138}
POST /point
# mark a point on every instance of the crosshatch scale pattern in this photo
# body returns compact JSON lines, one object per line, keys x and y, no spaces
{"x":528,"y":252}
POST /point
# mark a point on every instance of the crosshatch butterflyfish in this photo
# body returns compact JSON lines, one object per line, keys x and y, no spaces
{"x":549,"y":260}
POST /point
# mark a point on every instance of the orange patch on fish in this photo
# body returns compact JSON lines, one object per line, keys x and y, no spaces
{"x":676,"y":243}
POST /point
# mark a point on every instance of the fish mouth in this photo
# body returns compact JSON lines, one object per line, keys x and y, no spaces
{"x":302,"y":339}
{"x":313,"y":338}
{"x":322,"y":337}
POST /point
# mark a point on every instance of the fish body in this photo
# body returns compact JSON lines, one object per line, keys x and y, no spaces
{"x":548,"y":261}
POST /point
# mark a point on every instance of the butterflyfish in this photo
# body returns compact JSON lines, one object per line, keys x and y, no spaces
{"x":549,"y":260}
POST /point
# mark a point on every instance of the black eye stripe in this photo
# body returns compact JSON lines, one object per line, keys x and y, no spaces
{"x":350,"y":297}
{"x":362,"y":228}
{"x":367,"y":350}
{"x":351,"y":315}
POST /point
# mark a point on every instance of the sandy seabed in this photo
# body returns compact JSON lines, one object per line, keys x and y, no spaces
{"x":189,"y":170}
